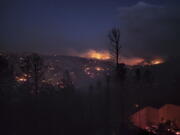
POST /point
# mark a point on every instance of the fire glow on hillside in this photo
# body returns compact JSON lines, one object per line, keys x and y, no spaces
{"x":157,"y":61}
{"x":131,"y":61}
{"x":99,"y":55}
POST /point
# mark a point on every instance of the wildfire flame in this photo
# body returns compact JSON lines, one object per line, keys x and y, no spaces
{"x":105,"y":55}
{"x":99,"y":69}
{"x":100,"y":55}
{"x":22,"y":78}
{"x":157,"y":61}
{"x":131,"y":61}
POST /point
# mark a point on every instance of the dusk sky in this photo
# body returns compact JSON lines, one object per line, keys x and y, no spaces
{"x":148,"y":28}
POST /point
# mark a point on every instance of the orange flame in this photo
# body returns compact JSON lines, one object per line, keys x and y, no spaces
{"x":99,"y":69}
{"x":105,"y":55}
{"x":131,"y":61}
{"x":100,"y":55}
{"x":22,"y":78}
{"x":157,"y":61}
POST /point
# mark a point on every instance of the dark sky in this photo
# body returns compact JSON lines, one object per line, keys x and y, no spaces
{"x":148,"y":27}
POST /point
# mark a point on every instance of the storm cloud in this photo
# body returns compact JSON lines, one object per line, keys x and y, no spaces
{"x":150,"y":30}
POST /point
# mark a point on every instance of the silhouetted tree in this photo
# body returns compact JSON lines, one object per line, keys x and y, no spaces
{"x":107,"y":77}
{"x":3,"y":63}
{"x":148,"y":78}
{"x":121,"y":72}
{"x":138,"y":74}
{"x":32,"y":66}
{"x":6,"y":73}
{"x":114,"y":37}
{"x":90,"y":106}
{"x":3,"y":67}
{"x":67,"y":81}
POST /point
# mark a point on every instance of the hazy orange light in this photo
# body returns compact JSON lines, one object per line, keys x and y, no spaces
{"x":132,"y":61}
{"x":100,"y":55}
{"x":99,"y":68}
{"x":157,"y":61}
{"x":22,"y":78}
{"x":141,"y":61}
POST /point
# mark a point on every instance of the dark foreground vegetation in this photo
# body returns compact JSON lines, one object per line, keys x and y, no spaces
{"x":31,"y":106}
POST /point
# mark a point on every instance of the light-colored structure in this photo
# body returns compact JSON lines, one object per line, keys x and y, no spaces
{"x":170,"y":112}
{"x":145,"y":117}
{"x":151,"y":116}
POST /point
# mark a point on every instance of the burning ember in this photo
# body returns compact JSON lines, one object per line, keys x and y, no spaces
{"x":22,"y":78}
{"x":99,"y":68}
{"x":89,"y":71}
{"x":157,"y":61}
{"x":100,"y":55}
{"x":92,"y":71}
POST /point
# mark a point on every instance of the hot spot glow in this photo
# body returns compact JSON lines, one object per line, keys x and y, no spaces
{"x":100,"y":55}
{"x":141,"y":61}
{"x":22,"y":78}
{"x":157,"y":61}
{"x":132,"y":61}
{"x":99,"y":68}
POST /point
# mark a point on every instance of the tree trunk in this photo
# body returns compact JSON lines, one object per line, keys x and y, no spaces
{"x":117,"y":56}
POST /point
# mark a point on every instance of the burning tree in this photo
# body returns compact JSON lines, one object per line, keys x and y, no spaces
{"x":114,"y":37}
{"x":32,"y":67}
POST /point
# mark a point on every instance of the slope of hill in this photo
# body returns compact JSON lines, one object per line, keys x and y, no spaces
{"x":82,"y":71}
